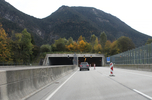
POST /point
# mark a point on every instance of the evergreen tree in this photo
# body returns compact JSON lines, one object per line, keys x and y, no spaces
{"x":103,"y":39}
{"x":125,"y":43}
{"x":17,"y":47}
{"x":27,"y":46}
{"x":149,"y":41}
{"x":93,"y":39}
{"x":70,"y":41}
{"x":60,"y":44}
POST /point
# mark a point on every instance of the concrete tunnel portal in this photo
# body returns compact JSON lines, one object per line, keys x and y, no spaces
{"x":74,"y":59}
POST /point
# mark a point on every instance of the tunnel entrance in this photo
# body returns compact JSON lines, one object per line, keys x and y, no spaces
{"x":74,"y":59}
{"x":60,"y":60}
{"x":92,"y":61}
{"x":69,"y":61}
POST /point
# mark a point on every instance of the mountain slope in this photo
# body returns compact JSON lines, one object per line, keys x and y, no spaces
{"x":113,"y":26}
{"x":66,"y":22}
{"x":69,"y":22}
{"x":85,"y":21}
{"x":12,"y":19}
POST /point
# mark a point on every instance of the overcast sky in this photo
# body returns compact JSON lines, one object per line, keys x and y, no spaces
{"x":135,"y":13}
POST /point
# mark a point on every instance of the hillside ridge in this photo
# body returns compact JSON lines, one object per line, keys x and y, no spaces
{"x":68,"y":22}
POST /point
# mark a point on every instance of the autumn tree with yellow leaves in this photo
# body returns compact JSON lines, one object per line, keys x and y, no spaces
{"x":5,"y":49}
{"x":81,"y":46}
{"x":97,"y":47}
{"x":114,"y":48}
{"x":107,"y":48}
{"x":70,"y":47}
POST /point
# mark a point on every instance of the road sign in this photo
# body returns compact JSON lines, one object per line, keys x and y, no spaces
{"x":108,"y":59}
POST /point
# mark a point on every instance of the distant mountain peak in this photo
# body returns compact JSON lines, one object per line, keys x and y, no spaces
{"x":63,"y":7}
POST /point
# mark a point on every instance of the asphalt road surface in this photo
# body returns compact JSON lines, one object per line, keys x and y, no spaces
{"x":98,"y":85}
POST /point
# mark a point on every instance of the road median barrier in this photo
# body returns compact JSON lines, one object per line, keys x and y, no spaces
{"x":19,"y":83}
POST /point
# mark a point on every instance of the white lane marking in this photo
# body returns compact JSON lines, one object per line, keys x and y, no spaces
{"x":50,"y":96}
{"x":143,"y":94}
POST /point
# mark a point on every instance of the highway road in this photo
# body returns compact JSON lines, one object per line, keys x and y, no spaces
{"x":98,"y":85}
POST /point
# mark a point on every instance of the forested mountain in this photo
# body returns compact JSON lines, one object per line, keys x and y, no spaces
{"x":68,"y":22}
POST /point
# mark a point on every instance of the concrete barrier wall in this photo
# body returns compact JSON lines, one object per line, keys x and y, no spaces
{"x":19,"y":84}
{"x":141,"y":67}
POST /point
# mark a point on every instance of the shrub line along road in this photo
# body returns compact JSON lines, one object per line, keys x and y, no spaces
{"x":98,"y":85}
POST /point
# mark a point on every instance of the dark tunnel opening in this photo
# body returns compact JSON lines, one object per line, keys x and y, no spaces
{"x":69,"y":60}
{"x":61,"y":60}
{"x":92,"y":61}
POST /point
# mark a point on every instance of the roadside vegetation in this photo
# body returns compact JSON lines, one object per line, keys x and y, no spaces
{"x":21,"y":49}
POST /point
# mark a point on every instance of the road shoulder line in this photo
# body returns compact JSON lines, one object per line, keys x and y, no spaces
{"x":50,"y":96}
{"x":143,"y":94}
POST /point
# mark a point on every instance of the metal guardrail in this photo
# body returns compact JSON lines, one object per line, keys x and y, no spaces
{"x":140,"y":55}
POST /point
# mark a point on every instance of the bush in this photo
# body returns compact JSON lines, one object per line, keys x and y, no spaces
{"x":45,"y":48}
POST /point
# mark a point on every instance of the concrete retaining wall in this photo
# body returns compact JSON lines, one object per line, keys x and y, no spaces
{"x":18,"y":84}
{"x":142,"y":67}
